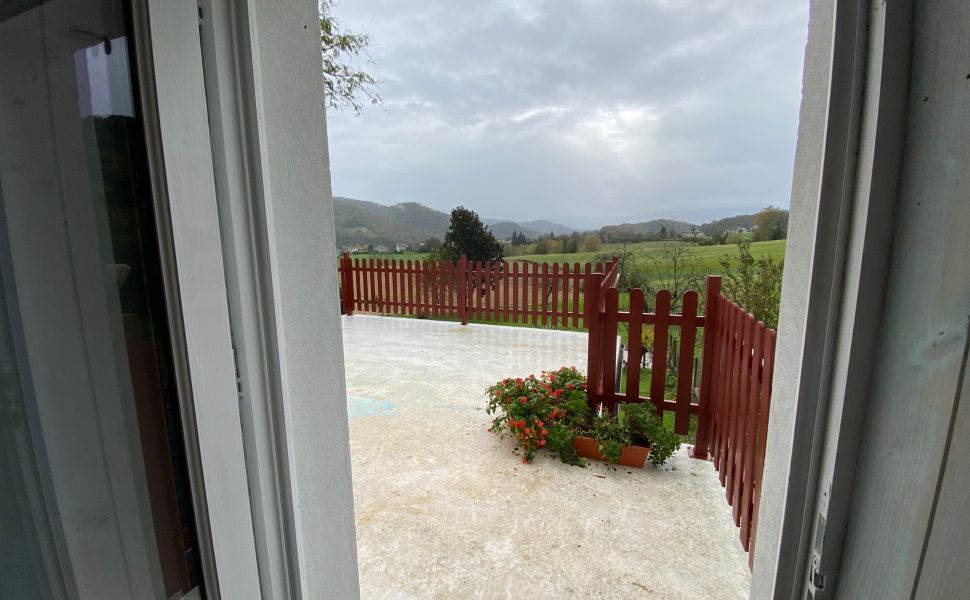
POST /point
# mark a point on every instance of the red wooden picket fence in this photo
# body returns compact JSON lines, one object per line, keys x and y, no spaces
{"x":732,"y":403}
{"x":735,"y":411}
{"x":508,"y":292}
{"x":602,"y":366}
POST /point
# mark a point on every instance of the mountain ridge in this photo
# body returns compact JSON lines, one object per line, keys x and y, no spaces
{"x":364,"y":222}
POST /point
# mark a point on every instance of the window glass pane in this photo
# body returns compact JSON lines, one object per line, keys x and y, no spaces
{"x":99,"y":504}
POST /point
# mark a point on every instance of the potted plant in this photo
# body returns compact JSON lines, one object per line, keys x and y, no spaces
{"x":551,"y":412}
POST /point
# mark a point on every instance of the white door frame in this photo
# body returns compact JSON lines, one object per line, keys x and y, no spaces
{"x":172,"y":93}
{"x":247,"y":211}
{"x":843,"y":208}
{"x":276,"y":209}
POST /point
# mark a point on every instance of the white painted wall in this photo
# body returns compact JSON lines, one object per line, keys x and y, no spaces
{"x":297,"y":175}
{"x":273,"y":178}
{"x":793,"y":325}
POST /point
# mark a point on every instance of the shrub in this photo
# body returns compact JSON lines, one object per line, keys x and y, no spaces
{"x":646,"y":428}
{"x":754,"y":283}
{"x":534,"y":409}
{"x":611,"y":434}
{"x":549,"y":410}
{"x":591,"y":243}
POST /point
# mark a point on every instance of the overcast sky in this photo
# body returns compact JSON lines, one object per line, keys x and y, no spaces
{"x":585,"y":112}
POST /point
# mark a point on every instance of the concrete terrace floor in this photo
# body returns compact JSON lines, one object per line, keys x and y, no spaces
{"x":444,"y":509}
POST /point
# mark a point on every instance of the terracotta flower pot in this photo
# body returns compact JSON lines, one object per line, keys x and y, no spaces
{"x":632,"y":456}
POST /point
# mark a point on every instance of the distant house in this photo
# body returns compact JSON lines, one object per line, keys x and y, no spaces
{"x":692,"y":234}
{"x":737,"y":229}
{"x":400,"y":247}
{"x":381,"y":248}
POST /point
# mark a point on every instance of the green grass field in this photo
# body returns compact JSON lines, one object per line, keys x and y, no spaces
{"x":707,"y":256}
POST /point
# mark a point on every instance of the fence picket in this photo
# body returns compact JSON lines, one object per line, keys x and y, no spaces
{"x":634,"y":346}
{"x":764,"y":406}
{"x":496,"y":290}
{"x":375,"y":292}
{"x":685,"y":370}
{"x":737,"y":422}
{"x":720,"y":372}
{"x":658,"y":372}
{"x":750,"y":447}
{"x":745,"y":416}
{"x":544,"y":291}
{"x":368,"y":286}
{"x":575,"y":283}
{"x":452,"y":289}
{"x":609,"y":347}
{"x":442,"y":288}
{"x":358,"y":294}
{"x":553,"y":287}
{"x":535,"y":294}
{"x":486,"y":288}
{"x":587,"y":270}
{"x":505,"y":280}
{"x":379,"y":285}
{"x":733,"y":404}
{"x":407,"y":287}
{"x":725,"y":387}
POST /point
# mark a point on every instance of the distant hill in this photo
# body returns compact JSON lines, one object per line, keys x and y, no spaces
{"x":720,"y":225}
{"x":503,"y":229}
{"x":628,"y":230}
{"x":646,"y":228}
{"x":362,"y":222}
{"x":531,"y":229}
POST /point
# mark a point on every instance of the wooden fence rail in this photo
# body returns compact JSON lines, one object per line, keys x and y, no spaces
{"x":501,"y":291}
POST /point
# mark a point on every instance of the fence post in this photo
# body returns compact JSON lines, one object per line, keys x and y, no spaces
{"x":348,"y":285}
{"x":594,"y":348}
{"x":702,"y":444}
{"x":463,"y":289}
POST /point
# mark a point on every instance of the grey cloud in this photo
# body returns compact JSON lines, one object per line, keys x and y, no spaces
{"x":589,"y":112}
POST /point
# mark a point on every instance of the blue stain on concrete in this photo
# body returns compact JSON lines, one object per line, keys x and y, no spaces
{"x":358,"y":406}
